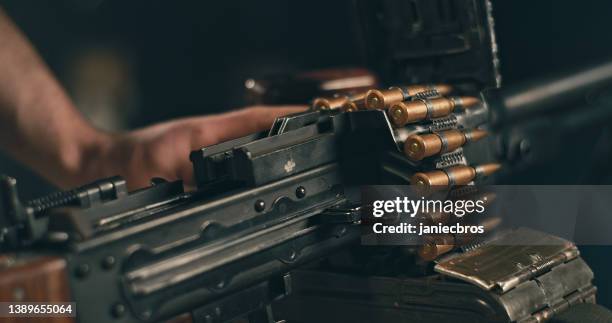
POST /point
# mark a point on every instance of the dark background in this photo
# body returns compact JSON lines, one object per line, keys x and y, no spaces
{"x":157,"y":60}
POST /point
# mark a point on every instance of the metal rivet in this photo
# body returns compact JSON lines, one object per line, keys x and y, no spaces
{"x":260,"y":205}
{"x":300,"y":192}
{"x":118,"y":310}
{"x":82,"y":270}
{"x":108,"y":262}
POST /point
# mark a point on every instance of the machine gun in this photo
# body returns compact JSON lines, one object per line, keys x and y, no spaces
{"x":283,"y":199}
{"x":266,"y":203}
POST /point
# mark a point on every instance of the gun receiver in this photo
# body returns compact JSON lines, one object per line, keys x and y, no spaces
{"x":265,"y":206}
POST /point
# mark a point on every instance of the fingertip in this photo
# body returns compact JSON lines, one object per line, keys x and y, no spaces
{"x":292,"y":108}
{"x":264,"y":116}
{"x":280,"y":110}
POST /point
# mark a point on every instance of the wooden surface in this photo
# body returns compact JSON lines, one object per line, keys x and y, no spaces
{"x":34,"y":279}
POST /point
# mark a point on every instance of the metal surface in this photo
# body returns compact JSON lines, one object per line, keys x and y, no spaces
{"x":549,"y":94}
{"x":549,"y":290}
{"x":401,"y":38}
{"x":353,"y":297}
{"x":508,"y":261}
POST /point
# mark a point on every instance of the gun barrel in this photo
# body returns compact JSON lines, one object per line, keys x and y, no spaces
{"x":546,"y":94}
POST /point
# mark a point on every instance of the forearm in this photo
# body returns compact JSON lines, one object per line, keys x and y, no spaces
{"x":39,"y":125}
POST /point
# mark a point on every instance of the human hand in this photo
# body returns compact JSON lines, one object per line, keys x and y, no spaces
{"x":162,"y":150}
{"x":43,"y":129}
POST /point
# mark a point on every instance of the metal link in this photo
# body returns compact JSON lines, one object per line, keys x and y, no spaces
{"x":451,"y":178}
{"x":429,"y":107}
{"x":444,"y":142}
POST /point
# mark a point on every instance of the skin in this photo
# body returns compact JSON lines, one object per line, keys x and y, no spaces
{"x":41,"y":127}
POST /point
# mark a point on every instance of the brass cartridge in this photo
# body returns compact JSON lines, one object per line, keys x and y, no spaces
{"x":457,"y":175}
{"x":403,"y":113}
{"x":348,"y":103}
{"x":417,"y":147}
{"x":329,"y":103}
{"x":435,"y":217}
{"x":435,"y":246}
{"x":355,"y":102}
{"x":383,"y":99}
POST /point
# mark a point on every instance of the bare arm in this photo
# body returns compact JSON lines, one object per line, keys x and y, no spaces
{"x":40,"y":127}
